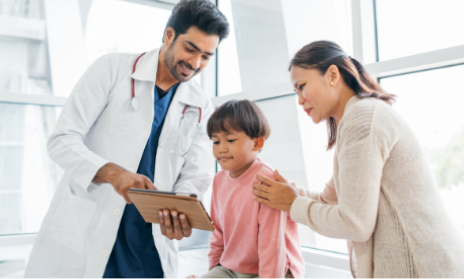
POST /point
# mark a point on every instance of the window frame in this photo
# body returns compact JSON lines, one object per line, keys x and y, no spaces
{"x":409,"y":64}
{"x":447,"y":57}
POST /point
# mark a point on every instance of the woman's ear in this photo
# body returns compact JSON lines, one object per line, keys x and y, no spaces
{"x":259,"y":143}
{"x":332,"y":75}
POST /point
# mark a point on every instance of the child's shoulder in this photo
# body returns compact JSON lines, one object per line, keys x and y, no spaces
{"x":220,"y":175}
{"x":266,"y":170}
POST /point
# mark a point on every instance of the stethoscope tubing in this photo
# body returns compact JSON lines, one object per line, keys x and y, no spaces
{"x":135,"y":102}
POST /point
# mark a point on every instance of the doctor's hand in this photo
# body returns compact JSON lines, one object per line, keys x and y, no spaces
{"x":122,"y":180}
{"x":174,"y":225}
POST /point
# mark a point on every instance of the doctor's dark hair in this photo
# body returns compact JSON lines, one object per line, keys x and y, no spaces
{"x":241,"y":116}
{"x":320,"y":55}
{"x":199,"y":13}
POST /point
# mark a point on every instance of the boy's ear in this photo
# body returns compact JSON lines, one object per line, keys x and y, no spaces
{"x":259,"y":143}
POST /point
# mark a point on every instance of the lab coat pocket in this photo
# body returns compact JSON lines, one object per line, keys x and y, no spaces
{"x":72,"y":219}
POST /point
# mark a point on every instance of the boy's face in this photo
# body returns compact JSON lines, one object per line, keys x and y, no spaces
{"x":235,"y":151}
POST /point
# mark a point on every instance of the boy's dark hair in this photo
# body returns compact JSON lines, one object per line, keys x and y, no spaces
{"x":199,"y":13}
{"x":241,"y":116}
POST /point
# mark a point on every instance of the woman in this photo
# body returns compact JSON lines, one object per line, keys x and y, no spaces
{"x":382,"y":197}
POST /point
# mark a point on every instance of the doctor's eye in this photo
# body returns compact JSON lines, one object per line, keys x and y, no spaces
{"x":188,"y":49}
{"x":206,"y":57}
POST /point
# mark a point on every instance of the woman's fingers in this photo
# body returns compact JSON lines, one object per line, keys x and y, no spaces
{"x":261,"y":200}
{"x":261,"y":188}
{"x":279,"y":177}
{"x":265,"y":179}
{"x":260,"y":195}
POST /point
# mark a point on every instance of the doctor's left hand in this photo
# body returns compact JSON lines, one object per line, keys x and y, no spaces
{"x":174,"y":225}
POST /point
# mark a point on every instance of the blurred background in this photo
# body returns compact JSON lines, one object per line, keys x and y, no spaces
{"x":412,"y":47}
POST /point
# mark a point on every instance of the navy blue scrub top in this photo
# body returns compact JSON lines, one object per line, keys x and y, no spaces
{"x":134,"y":254}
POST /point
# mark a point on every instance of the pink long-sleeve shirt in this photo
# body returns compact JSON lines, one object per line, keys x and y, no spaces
{"x":249,"y":237}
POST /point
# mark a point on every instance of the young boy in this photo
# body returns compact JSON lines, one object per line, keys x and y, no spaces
{"x":250,"y":239}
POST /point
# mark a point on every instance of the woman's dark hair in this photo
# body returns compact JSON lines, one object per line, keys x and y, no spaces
{"x":241,"y":116}
{"x":320,"y":55}
{"x":199,"y":13}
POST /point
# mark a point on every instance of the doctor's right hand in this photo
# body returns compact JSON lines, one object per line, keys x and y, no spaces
{"x":122,"y":180}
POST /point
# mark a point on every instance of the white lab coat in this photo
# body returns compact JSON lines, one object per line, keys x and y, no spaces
{"x":98,"y":125}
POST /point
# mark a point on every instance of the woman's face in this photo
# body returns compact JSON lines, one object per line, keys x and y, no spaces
{"x":315,"y":93}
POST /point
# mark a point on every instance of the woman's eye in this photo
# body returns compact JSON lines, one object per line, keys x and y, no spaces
{"x":301,"y":86}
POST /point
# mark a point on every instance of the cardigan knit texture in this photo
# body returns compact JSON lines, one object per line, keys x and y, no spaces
{"x":383,"y":199}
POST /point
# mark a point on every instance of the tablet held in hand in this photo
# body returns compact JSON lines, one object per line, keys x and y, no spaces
{"x":150,"y":202}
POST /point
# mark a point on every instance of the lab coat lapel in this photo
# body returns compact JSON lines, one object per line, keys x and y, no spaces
{"x":147,"y":66}
{"x":145,"y":78}
{"x":187,"y":94}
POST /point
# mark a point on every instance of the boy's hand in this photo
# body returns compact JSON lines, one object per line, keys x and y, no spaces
{"x":172,"y":227}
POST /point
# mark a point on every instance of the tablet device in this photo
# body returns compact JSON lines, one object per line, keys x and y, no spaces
{"x":150,"y":202}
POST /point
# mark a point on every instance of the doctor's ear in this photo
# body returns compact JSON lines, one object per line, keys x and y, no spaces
{"x":259,"y":144}
{"x":169,"y":35}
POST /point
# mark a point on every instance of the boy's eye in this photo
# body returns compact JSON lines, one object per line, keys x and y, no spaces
{"x":215,"y":142}
{"x":231,"y":140}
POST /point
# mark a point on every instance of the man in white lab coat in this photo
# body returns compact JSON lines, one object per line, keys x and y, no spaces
{"x":121,"y":128}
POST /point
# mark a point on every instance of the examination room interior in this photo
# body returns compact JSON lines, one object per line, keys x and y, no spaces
{"x":414,"y":48}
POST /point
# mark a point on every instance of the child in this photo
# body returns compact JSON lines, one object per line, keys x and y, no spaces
{"x":250,"y":239}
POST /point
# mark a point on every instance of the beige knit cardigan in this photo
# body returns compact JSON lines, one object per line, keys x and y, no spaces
{"x":383,"y":199}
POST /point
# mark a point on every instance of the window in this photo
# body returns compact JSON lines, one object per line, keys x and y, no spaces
{"x":28,"y":177}
{"x":127,"y":27}
{"x":42,"y":65}
{"x":255,"y":58}
{"x":266,"y":34}
{"x":432,"y":107}
{"x":416,"y":26}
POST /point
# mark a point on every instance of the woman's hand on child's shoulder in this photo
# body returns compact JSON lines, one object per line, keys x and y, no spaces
{"x":278,"y":194}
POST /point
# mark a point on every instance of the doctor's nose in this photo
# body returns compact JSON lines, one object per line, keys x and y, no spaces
{"x":195,"y":62}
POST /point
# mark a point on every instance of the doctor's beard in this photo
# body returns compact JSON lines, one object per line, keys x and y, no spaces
{"x":172,"y":65}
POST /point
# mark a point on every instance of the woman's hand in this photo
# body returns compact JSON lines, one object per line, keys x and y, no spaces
{"x":278,"y":194}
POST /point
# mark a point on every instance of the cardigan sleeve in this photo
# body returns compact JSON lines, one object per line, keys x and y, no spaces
{"x":327,"y":196}
{"x":363,"y":145}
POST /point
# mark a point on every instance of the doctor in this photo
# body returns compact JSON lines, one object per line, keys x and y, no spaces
{"x":131,"y":121}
